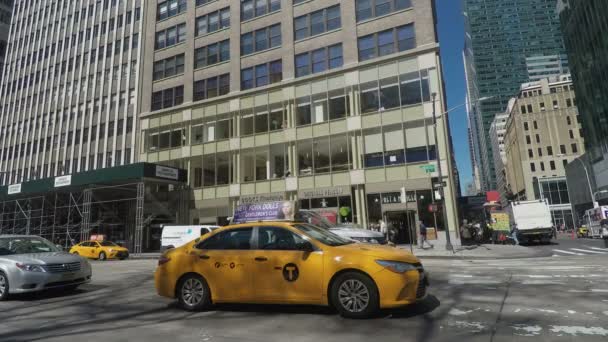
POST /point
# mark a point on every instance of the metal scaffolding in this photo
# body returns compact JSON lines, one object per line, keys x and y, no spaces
{"x":125,"y":213}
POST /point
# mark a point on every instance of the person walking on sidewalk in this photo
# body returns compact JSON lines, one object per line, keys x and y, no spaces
{"x":514,"y":234}
{"x":423,"y":236}
{"x":384,"y":229}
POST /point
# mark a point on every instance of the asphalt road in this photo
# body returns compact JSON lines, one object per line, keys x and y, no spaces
{"x":565,"y":246}
{"x":543,"y":299}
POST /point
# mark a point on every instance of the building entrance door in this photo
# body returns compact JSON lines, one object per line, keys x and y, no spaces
{"x":404,"y":223}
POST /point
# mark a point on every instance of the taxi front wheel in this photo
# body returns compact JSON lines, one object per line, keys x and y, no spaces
{"x":355,"y":295}
{"x":193,"y":293}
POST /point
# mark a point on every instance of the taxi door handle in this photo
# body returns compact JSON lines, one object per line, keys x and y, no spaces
{"x":205,"y":257}
{"x":261,"y":259}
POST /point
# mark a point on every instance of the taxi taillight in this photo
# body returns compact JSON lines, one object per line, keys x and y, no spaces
{"x":163,"y":260}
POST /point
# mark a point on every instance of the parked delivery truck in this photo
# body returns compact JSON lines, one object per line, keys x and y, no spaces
{"x":533,"y":220}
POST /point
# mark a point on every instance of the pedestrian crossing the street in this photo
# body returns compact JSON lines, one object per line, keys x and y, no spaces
{"x":585,"y":250}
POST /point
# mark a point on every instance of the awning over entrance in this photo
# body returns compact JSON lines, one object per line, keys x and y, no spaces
{"x":109,"y":176}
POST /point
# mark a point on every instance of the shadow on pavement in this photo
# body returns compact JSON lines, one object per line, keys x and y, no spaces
{"x":270,"y":309}
{"x":424,"y":307}
{"x":54,"y":293}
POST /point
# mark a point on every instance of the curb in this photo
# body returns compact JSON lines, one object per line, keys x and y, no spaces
{"x":543,"y":254}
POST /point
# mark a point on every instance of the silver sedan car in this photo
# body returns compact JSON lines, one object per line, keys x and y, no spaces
{"x":31,"y":263}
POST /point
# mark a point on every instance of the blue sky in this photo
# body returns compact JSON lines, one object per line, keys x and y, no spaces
{"x":451,"y":40}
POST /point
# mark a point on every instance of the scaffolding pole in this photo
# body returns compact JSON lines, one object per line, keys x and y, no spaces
{"x":139,"y":218}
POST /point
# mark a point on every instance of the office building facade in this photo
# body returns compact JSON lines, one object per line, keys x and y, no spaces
{"x":328,"y":103}
{"x":542,"y":136}
{"x":68,"y":94}
{"x":584,"y":25}
{"x":6,"y":11}
{"x":497,"y":136}
{"x":507,"y":43}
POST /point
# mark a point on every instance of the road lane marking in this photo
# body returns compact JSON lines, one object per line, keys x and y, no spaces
{"x":567,"y":252}
{"x":598,"y":248}
{"x":587,"y":251}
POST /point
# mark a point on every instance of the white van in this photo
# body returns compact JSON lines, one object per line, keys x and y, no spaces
{"x":177,"y":236}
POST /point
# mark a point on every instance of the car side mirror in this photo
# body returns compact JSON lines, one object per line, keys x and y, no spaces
{"x":307,"y":247}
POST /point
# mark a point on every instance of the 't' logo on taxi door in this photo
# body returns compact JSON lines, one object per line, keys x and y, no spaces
{"x":291,"y":272}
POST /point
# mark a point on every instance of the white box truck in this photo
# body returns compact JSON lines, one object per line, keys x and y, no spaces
{"x":533,"y":220}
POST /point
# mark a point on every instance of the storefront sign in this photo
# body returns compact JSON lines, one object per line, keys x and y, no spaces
{"x":14,"y":189}
{"x":328,"y":192}
{"x":391,"y":197}
{"x":63,"y":181}
{"x":268,"y":211}
{"x":167,"y":172}
{"x":262,"y":198}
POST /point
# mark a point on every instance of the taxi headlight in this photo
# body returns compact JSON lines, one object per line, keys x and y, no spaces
{"x":396,"y":266}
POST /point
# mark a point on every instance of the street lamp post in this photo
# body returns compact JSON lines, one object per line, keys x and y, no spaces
{"x":448,"y":245}
{"x":448,"y":241}
{"x":595,"y":204}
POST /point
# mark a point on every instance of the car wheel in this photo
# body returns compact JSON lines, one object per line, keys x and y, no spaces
{"x":102,"y":256}
{"x":355,"y":295}
{"x":3,"y":286}
{"x":193,"y":293}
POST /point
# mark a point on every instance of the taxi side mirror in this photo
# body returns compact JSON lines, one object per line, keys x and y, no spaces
{"x":307,"y":247}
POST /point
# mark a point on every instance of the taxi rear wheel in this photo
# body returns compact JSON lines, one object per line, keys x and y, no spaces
{"x":193,"y":293}
{"x":355,"y":295}
{"x":102,"y":256}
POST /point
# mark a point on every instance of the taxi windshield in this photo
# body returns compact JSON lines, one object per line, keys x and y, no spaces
{"x":322,"y":235}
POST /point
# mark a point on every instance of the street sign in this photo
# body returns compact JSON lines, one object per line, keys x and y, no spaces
{"x":433,"y":208}
{"x":428,"y":168}
{"x":440,"y":185}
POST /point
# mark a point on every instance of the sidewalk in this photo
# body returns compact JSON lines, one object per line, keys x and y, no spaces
{"x":486,"y":251}
{"x":477,"y":252}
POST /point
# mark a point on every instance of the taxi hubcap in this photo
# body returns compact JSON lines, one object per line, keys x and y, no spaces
{"x":353,"y":295}
{"x":2,"y":285}
{"x":192,"y":292}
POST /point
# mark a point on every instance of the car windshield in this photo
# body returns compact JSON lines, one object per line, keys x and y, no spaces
{"x":26,"y":245}
{"x":107,"y":244}
{"x":322,"y":235}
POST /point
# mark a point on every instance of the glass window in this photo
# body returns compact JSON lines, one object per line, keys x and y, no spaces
{"x":386,"y":43}
{"x":305,"y":165}
{"x":247,"y":123}
{"x":389,"y":93}
{"x":319,"y":60}
{"x":410,"y":89}
{"x":338,"y":104}
{"x":261,"y":164}
{"x":247,"y":165}
{"x":275,"y":238}
{"x":339,"y":153}
{"x":364,"y":9}
{"x":247,"y":43}
{"x":406,"y":37}
{"x":234,"y":239}
{"x":321,"y":155}
{"x":335,"y":56}
{"x":302,"y":64}
{"x":370,"y":100}
{"x":278,"y":161}
{"x":209,"y":170}
{"x":367,"y":48}
{"x":261,"y":120}
{"x":224,"y":168}
{"x":303,"y":112}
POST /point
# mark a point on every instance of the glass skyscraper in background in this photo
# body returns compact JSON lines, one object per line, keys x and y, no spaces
{"x":507,"y":43}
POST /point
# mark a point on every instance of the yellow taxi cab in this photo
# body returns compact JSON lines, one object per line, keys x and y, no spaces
{"x":286,"y":262}
{"x":101,"y":250}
